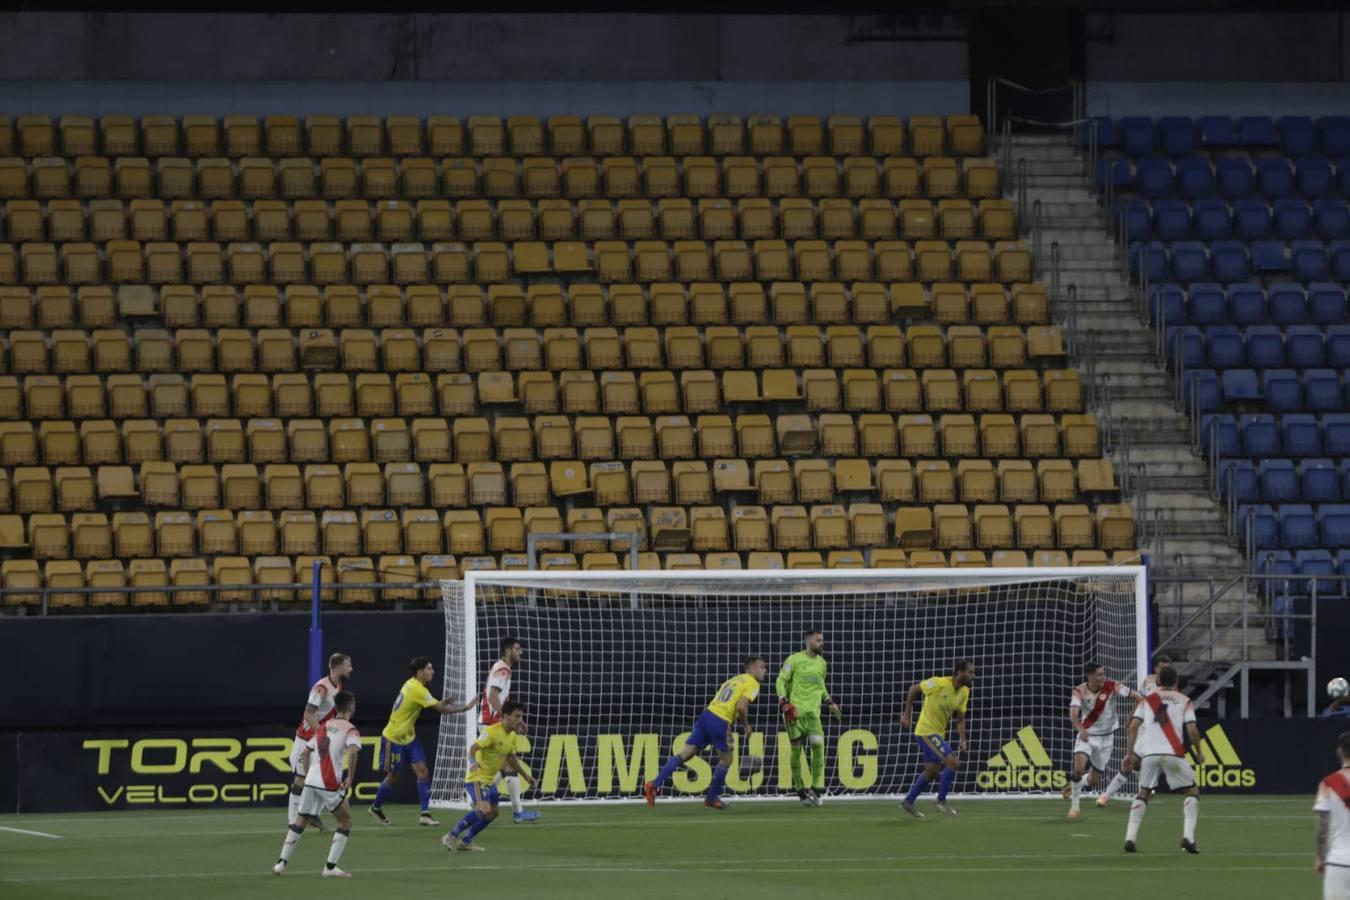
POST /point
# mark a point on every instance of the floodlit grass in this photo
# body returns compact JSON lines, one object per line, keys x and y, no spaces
{"x":1250,"y":847}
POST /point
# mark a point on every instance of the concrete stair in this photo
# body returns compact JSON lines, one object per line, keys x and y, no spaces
{"x":1148,"y":433}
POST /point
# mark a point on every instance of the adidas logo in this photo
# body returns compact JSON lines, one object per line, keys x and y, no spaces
{"x":1022,"y":764}
{"x":1222,"y":767}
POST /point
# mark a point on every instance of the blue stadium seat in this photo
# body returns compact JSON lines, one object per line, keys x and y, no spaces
{"x":1326,"y":303}
{"x":1171,"y":220}
{"x":1344,"y":469}
{"x":1260,"y":435}
{"x":1308,"y":260}
{"x":1168,"y":301}
{"x":1105,"y":129}
{"x":1343,"y":565}
{"x":1340,"y":260}
{"x":1247,"y":304}
{"x":1335,"y":135}
{"x":1222,"y":428}
{"x":1240,"y":386}
{"x":1258,"y":520}
{"x":1288,"y":305}
{"x":1138,"y":220}
{"x":1228,"y":259}
{"x":1343,"y":176}
{"x":1322,"y":390}
{"x":1178,"y":136}
{"x":1202,"y":390}
{"x":1188,"y":342}
{"x":1338,"y":346}
{"x":1208,"y":305}
{"x":1319,"y":481}
{"x":1331,"y":218}
{"x":1298,"y":137}
{"x":1274,"y":562}
{"x":1301,"y":435}
{"x":1314,"y":562}
{"x":1238,"y":477}
{"x":1195,"y":178}
{"x":1279,"y":480}
{"x":1251,"y":219}
{"x":1265,"y":347}
{"x":1305,"y":347}
{"x":1217,"y":132}
{"x":1282,"y":390}
{"x":1313,"y":177}
{"x":1136,"y":136}
{"x":1256,"y":131}
{"x":1274,"y":177}
{"x":1298,"y":526}
{"x":1333,"y":520}
{"x":1234,"y":177}
{"x":1190,"y":261}
{"x":1150,"y":258}
{"x":1153,"y":178}
{"x":1224,"y":347}
{"x":1268,"y":258}
{"x":1212,"y":219}
{"x":1336,"y":434}
{"x":1119,"y":172}
{"x":1293,"y":219}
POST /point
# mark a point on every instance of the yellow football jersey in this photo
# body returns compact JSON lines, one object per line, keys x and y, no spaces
{"x":728,"y":696}
{"x":412,"y":698}
{"x":491,"y":749}
{"x":941,"y":700}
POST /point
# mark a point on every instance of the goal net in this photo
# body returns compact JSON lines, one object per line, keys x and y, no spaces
{"x":617,"y":666}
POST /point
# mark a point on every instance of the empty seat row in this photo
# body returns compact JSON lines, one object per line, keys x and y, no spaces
{"x":1235,"y":261}
{"x":1180,"y":136}
{"x":1286,"y":390}
{"x":337,"y":178}
{"x":476,"y":220}
{"x":284,"y":262}
{"x":1306,"y":562}
{"x":1295,"y":526}
{"x":1297,"y":435}
{"x":643,"y":135}
{"x":1259,"y":346}
{"x":1231,"y":178}
{"x":1285,"y":480}
{"x":1246,"y":218}
{"x":1202,"y":303}
{"x":260,"y":306}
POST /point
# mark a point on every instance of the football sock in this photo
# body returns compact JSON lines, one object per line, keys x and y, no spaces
{"x":1190,"y":811}
{"x":1075,"y":789}
{"x":818,"y":766}
{"x":293,"y":804}
{"x":423,"y":794}
{"x":513,"y":788}
{"x":719,"y":780}
{"x":1116,"y":784}
{"x":1086,"y":780}
{"x":465,"y":823}
{"x":795,"y":763}
{"x":335,"y":849}
{"x":918,"y":787}
{"x":945,"y":783}
{"x":667,"y":770}
{"x":1137,"y":810}
{"x":288,"y":846}
{"x":382,"y":794}
{"x":476,"y":827}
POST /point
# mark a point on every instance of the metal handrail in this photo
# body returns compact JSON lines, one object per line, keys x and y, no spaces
{"x":1020,"y":188}
{"x":1036,"y":237}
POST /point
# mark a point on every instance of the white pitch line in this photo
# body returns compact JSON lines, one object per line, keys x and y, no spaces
{"x":41,"y":834}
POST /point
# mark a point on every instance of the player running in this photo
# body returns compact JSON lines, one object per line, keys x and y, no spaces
{"x":801,"y":687}
{"x":1093,"y":715}
{"x":493,"y":753}
{"x":332,"y":768}
{"x":399,"y":744}
{"x":944,"y":697}
{"x":1151,"y":679}
{"x":1333,"y":826}
{"x":730,"y":704}
{"x":319,"y":708}
{"x":1154,"y":740}
{"x":495,"y":693}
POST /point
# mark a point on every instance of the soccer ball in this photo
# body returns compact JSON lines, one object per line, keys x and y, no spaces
{"x":751,"y":764}
{"x":1337,"y":688}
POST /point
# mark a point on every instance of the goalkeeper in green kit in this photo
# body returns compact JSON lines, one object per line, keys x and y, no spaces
{"x":801,"y":688}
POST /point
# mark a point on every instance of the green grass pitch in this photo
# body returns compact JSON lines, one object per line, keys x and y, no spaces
{"x":1250,"y":847}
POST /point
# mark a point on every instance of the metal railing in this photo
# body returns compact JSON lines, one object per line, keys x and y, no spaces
{"x":995,"y":125}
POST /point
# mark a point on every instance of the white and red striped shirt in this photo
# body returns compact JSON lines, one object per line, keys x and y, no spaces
{"x":1096,"y":712}
{"x":1333,"y":798}
{"x":1163,"y":735}
{"x":321,"y":697}
{"x":325,"y":769}
{"x":499,"y":676}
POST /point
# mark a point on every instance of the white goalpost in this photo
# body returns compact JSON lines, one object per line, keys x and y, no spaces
{"x":617,"y":666}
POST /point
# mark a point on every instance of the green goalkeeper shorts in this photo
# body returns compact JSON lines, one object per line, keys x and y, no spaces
{"x":807,"y":724}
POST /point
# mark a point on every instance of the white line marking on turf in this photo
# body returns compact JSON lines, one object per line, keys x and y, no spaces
{"x":41,"y":834}
{"x":1080,"y":835}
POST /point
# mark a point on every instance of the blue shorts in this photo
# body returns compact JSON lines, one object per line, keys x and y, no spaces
{"x":477,"y":793}
{"x":710,"y":728}
{"x":393,"y":757}
{"x":933,"y":748}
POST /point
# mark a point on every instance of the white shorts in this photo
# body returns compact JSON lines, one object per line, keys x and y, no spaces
{"x":1336,"y":883}
{"x":316,"y":800}
{"x":297,"y":757}
{"x":1098,"y":749}
{"x":1177,"y":769}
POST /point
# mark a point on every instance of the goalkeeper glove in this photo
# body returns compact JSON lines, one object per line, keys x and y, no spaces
{"x":789,"y":711}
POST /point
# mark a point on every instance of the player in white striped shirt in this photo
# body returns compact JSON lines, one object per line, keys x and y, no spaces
{"x":1333,"y":826}
{"x":495,"y":693}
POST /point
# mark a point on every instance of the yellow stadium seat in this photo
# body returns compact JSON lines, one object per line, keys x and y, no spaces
{"x":936,"y":483}
{"x":914,"y":527}
{"x":1115,"y":526}
{"x":1035,"y":527}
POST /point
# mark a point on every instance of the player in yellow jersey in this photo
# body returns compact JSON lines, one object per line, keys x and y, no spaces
{"x":492,"y":754}
{"x":730,"y":703}
{"x":398,"y":741}
{"x":944,"y":698}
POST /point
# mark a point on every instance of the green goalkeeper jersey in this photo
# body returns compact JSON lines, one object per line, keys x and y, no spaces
{"x":802,"y":681}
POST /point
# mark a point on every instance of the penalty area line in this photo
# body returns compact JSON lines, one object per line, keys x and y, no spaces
{"x":41,"y":834}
